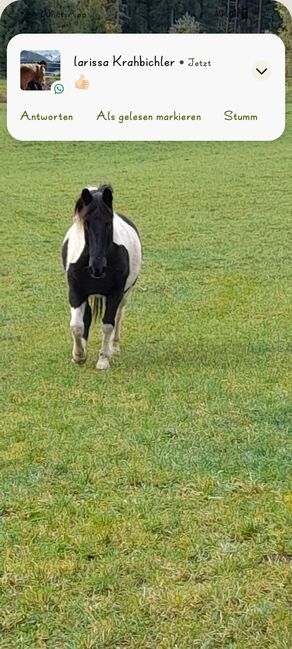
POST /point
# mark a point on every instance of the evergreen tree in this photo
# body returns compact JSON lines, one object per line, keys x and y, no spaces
{"x":95,"y":20}
{"x":137,"y":17}
{"x":162,"y":15}
{"x":61,"y":17}
{"x":209,"y":16}
{"x":248,"y":16}
{"x":186,"y":25}
{"x":116,"y":15}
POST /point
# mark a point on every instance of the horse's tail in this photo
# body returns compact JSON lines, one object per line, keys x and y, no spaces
{"x":97,"y":307}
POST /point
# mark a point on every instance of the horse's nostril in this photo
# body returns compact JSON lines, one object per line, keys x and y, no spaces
{"x":97,"y":271}
{"x":96,"y":274}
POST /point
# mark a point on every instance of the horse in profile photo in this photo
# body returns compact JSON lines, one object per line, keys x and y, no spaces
{"x":102,"y":257}
{"x":32,"y":75}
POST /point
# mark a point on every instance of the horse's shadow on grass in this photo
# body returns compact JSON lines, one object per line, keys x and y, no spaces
{"x":158,"y":355}
{"x":206,"y":354}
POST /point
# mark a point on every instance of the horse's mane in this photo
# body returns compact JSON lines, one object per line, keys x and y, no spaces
{"x":79,"y":210}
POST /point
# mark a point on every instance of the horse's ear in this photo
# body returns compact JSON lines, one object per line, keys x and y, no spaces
{"x":107,"y":196}
{"x":86,"y":196}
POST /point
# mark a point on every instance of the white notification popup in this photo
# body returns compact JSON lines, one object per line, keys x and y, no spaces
{"x":109,"y":87}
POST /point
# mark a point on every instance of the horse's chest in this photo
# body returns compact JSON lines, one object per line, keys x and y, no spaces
{"x":104,"y":286}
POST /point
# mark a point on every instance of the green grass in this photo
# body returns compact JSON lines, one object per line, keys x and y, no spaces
{"x":2,"y":91}
{"x":149,"y":507}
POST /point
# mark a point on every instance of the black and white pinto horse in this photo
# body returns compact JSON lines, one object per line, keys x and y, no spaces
{"x":102,"y":257}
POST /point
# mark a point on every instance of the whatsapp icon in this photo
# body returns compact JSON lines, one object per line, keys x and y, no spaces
{"x":58,"y":88}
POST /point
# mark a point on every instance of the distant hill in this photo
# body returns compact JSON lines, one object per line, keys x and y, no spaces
{"x":51,"y":55}
{"x":53,"y":63}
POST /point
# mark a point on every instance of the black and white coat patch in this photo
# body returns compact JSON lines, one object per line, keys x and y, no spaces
{"x":102,"y":257}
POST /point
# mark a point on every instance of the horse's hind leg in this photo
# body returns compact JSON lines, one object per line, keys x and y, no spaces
{"x":117,"y":330}
{"x":80,"y":324}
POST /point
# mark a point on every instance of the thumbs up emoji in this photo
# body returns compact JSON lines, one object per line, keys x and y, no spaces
{"x":82,"y":84}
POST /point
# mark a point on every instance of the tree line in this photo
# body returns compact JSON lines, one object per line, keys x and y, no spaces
{"x":142,"y":16}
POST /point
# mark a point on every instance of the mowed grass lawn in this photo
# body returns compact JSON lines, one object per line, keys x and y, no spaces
{"x":149,"y":506}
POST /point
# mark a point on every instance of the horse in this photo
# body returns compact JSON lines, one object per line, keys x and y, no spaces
{"x":32,"y":72}
{"x":102,"y":258}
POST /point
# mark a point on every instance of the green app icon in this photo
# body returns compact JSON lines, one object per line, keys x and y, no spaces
{"x":58,"y":88}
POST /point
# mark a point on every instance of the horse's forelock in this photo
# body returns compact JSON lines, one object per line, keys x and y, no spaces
{"x":96,"y":192}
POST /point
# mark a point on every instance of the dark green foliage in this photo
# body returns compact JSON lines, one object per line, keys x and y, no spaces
{"x":117,"y":12}
{"x":61,"y":17}
{"x":286,"y":35}
{"x":138,"y":16}
{"x":20,"y":17}
{"x":248,"y":16}
{"x":213,"y":16}
{"x":95,"y":16}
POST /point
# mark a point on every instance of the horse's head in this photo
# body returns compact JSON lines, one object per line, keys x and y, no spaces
{"x":95,"y":208}
{"x":41,"y":72}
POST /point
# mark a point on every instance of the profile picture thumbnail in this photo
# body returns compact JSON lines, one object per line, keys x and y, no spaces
{"x":39,"y":69}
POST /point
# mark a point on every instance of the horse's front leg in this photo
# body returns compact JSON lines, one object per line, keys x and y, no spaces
{"x":117,"y":330}
{"x":80,"y":325}
{"x":108,"y":325}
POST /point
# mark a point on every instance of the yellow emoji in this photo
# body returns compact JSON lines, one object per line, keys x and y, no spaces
{"x":82,"y":84}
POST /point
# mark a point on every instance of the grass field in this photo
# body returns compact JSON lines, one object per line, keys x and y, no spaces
{"x":150,"y":507}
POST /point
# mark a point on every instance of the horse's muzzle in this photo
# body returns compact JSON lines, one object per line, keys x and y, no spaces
{"x":97,"y":274}
{"x":97,"y":268}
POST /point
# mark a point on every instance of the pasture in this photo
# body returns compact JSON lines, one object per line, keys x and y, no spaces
{"x":150,"y":506}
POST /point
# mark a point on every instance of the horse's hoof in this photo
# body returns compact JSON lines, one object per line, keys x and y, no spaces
{"x":102,"y":363}
{"x":78,"y":360}
{"x":116,"y":349}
